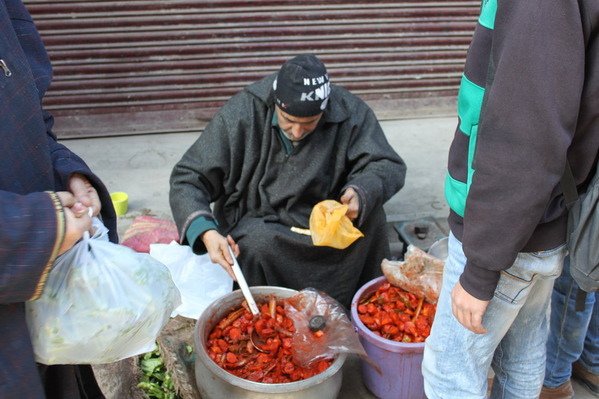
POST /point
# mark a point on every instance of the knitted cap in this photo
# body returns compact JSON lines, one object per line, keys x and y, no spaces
{"x":302,"y":86}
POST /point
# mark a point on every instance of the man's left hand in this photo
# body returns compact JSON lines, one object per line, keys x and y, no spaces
{"x":84,"y":192}
{"x":351,"y":199}
{"x":468,"y":310}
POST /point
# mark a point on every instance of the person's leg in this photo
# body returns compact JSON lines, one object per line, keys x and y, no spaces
{"x":519,"y":360}
{"x":586,"y":369}
{"x":567,"y":329}
{"x":457,"y":360}
{"x":590,"y":354}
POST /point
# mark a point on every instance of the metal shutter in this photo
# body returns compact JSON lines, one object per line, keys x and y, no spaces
{"x":136,"y":66}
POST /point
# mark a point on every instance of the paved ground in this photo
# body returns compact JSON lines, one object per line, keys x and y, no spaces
{"x":141,"y":165}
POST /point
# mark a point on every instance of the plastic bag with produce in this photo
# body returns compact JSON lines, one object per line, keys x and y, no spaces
{"x":102,"y":302}
{"x":419,"y":273}
{"x":146,"y":230}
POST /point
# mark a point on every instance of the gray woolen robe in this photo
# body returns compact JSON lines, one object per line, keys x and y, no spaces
{"x":259,"y":191}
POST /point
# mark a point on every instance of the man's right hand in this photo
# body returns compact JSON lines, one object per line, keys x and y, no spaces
{"x":218,"y":249}
{"x":352,"y":200}
{"x":468,"y":310}
{"x":77,"y":220}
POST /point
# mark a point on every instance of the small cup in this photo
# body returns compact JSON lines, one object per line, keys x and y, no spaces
{"x":120,"y":200}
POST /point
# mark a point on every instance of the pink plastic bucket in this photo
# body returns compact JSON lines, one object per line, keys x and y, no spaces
{"x":400,"y":362}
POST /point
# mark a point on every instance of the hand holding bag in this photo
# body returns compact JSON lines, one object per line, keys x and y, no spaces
{"x":102,"y":302}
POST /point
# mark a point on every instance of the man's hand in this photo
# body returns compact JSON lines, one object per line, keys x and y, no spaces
{"x":77,"y":220}
{"x":85,"y":193}
{"x":468,"y":310}
{"x":351,"y":199}
{"x":218,"y":249}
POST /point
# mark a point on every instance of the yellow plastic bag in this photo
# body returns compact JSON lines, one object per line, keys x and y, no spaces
{"x":330,"y":227}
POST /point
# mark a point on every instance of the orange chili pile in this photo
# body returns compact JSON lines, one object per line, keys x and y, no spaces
{"x":265,"y":356}
{"x":396,"y":314}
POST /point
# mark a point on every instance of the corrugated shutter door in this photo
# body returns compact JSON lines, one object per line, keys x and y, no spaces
{"x":135,"y":66}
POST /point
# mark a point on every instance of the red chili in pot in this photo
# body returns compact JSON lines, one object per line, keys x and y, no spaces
{"x":266,"y":355}
{"x":398,"y":315}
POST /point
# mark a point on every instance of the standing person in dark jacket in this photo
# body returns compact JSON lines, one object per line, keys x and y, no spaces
{"x":45,"y":192}
{"x":528,"y":101}
{"x":275,"y":150}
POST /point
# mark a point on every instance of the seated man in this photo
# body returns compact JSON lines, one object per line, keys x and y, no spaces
{"x":270,"y":154}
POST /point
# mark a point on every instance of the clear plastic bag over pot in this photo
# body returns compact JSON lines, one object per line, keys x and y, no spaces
{"x":322,"y":328}
{"x":419,"y":273}
{"x":102,"y":302}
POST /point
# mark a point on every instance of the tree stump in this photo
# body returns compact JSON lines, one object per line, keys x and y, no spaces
{"x":176,"y":336}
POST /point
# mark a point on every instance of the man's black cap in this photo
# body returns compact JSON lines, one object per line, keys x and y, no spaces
{"x":302,"y":87}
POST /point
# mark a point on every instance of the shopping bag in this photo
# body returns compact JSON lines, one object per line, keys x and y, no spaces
{"x":200,"y":282}
{"x":102,"y":302}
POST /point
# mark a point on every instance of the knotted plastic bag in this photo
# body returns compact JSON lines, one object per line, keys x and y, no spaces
{"x":102,"y":302}
{"x":322,"y":328}
{"x":330,"y":227}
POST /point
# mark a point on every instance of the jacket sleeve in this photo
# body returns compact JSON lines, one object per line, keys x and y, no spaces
{"x":64,"y":161}
{"x":527,"y":123}
{"x":31,"y":233}
{"x":65,"y":164}
{"x":376,"y":170}
{"x":32,"y":225}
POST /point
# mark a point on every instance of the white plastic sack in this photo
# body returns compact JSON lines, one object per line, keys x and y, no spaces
{"x":102,"y":302}
{"x":199,"y":281}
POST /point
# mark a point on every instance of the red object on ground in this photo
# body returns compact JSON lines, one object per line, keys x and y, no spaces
{"x":146,"y":230}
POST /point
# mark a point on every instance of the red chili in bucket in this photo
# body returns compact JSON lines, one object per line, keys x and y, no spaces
{"x":396,"y":314}
{"x":234,"y":348}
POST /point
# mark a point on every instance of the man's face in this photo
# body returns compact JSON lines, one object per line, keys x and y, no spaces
{"x":296,"y":128}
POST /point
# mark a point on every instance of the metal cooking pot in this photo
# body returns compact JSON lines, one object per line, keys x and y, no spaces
{"x":215,"y":383}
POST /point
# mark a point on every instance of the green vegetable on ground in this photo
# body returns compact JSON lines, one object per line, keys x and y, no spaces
{"x":156,"y":382}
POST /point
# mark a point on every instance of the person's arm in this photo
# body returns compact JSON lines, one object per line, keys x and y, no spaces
{"x":65,"y":163}
{"x":32,"y":230}
{"x":527,"y":122}
{"x":72,"y":174}
{"x":210,"y":168}
{"x":197,"y":180}
{"x":377,"y":172}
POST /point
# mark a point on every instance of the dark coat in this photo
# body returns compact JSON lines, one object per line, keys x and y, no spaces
{"x":259,"y":191}
{"x":32,"y":162}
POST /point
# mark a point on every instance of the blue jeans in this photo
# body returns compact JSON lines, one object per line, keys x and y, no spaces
{"x":572,"y":335}
{"x":456,"y":361}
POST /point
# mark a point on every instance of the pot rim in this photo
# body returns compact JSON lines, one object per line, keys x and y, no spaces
{"x":366,"y":333}
{"x":247,"y":384}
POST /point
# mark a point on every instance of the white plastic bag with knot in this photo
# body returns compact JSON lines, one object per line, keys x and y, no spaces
{"x":102,"y":302}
